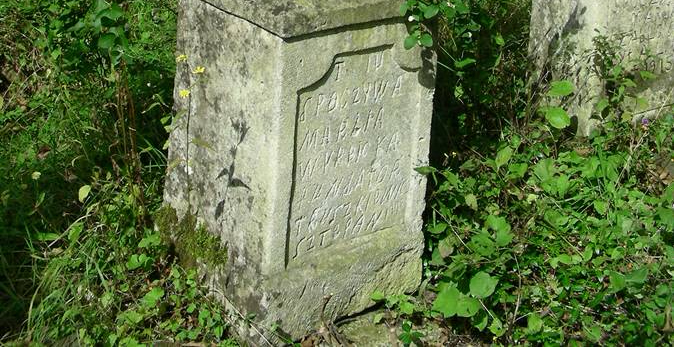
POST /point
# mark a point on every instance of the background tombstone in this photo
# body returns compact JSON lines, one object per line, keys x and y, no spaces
{"x":561,"y":47}
{"x":296,"y":147}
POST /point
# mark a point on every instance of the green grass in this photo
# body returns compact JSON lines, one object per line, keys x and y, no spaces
{"x":533,"y":236}
{"x":89,"y":268}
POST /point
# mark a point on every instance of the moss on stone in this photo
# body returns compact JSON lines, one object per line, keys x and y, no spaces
{"x":193,"y":243}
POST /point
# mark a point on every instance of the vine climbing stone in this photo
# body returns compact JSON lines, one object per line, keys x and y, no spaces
{"x":562,"y":46}
{"x":298,"y":130}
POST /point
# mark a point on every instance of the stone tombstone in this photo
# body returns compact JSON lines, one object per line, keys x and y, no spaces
{"x":561,"y":47}
{"x":299,"y":126}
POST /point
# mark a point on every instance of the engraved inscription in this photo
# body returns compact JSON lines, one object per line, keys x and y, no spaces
{"x":645,"y":29}
{"x":352,"y":153}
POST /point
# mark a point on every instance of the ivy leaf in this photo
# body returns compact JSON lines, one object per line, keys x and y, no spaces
{"x":561,"y":88}
{"x":446,"y":302}
{"x":557,"y":117}
{"x":482,"y":285}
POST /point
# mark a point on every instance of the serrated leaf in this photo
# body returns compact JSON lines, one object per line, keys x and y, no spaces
{"x":83,"y":193}
{"x":561,"y":88}
{"x":446,"y":301}
{"x":557,"y":117}
{"x":471,"y":201}
{"x":482,"y":285}
{"x":534,"y":323}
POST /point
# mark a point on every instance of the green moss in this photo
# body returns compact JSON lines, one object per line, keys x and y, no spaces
{"x":192,"y":242}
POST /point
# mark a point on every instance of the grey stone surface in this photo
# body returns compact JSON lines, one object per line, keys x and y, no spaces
{"x":291,"y":18}
{"x":300,"y":154}
{"x":561,"y":46}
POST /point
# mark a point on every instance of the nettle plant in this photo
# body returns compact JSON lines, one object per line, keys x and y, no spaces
{"x":561,"y":240}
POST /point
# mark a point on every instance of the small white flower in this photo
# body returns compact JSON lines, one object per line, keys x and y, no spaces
{"x":410,"y":19}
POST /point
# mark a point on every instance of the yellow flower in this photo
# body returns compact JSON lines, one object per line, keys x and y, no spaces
{"x":199,"y":70}
{"x":184,"y":93}
{"x":181,"y":58}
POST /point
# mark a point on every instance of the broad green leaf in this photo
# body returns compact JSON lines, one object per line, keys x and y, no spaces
{"x":482,"y":245}
{"x":557,"y":117}
{"x":617,"y":281}
{"x":561,"y":88}
{"x":84,"y":192}
{"x":498,"y":39}
{"x":481,"y":320}
{"x":497,"y":328}
{"x":446,"y":301}
{"x":430,"y":11}
{"x":503,"y":157}
{"x":406,"y":307}
{"x":467,"y":306}
{"x":153,"y":296}
{"x":471,"y":201}
{"x":497,"y":223}
{"x":75,"y":231}
{"x":638,"y":276}
{"x":463,"y":63}
{"x":534,"y":323}
{"x":133,"y":317}
{"x":377,"y":296}
{"x":482,"y":285}
{"x":106,"y":41}
{"x":411,"y":41}
{"x":426,"y":40}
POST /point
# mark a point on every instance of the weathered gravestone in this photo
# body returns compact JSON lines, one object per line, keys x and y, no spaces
{"x":561,"y":46}
{"x":296,"y":148}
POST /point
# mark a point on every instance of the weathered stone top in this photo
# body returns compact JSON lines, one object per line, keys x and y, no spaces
{"x":291,"y":18}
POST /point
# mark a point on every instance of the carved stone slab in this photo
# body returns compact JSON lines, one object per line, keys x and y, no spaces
{"x":299,"y":153}
{"x":561,"y":47}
